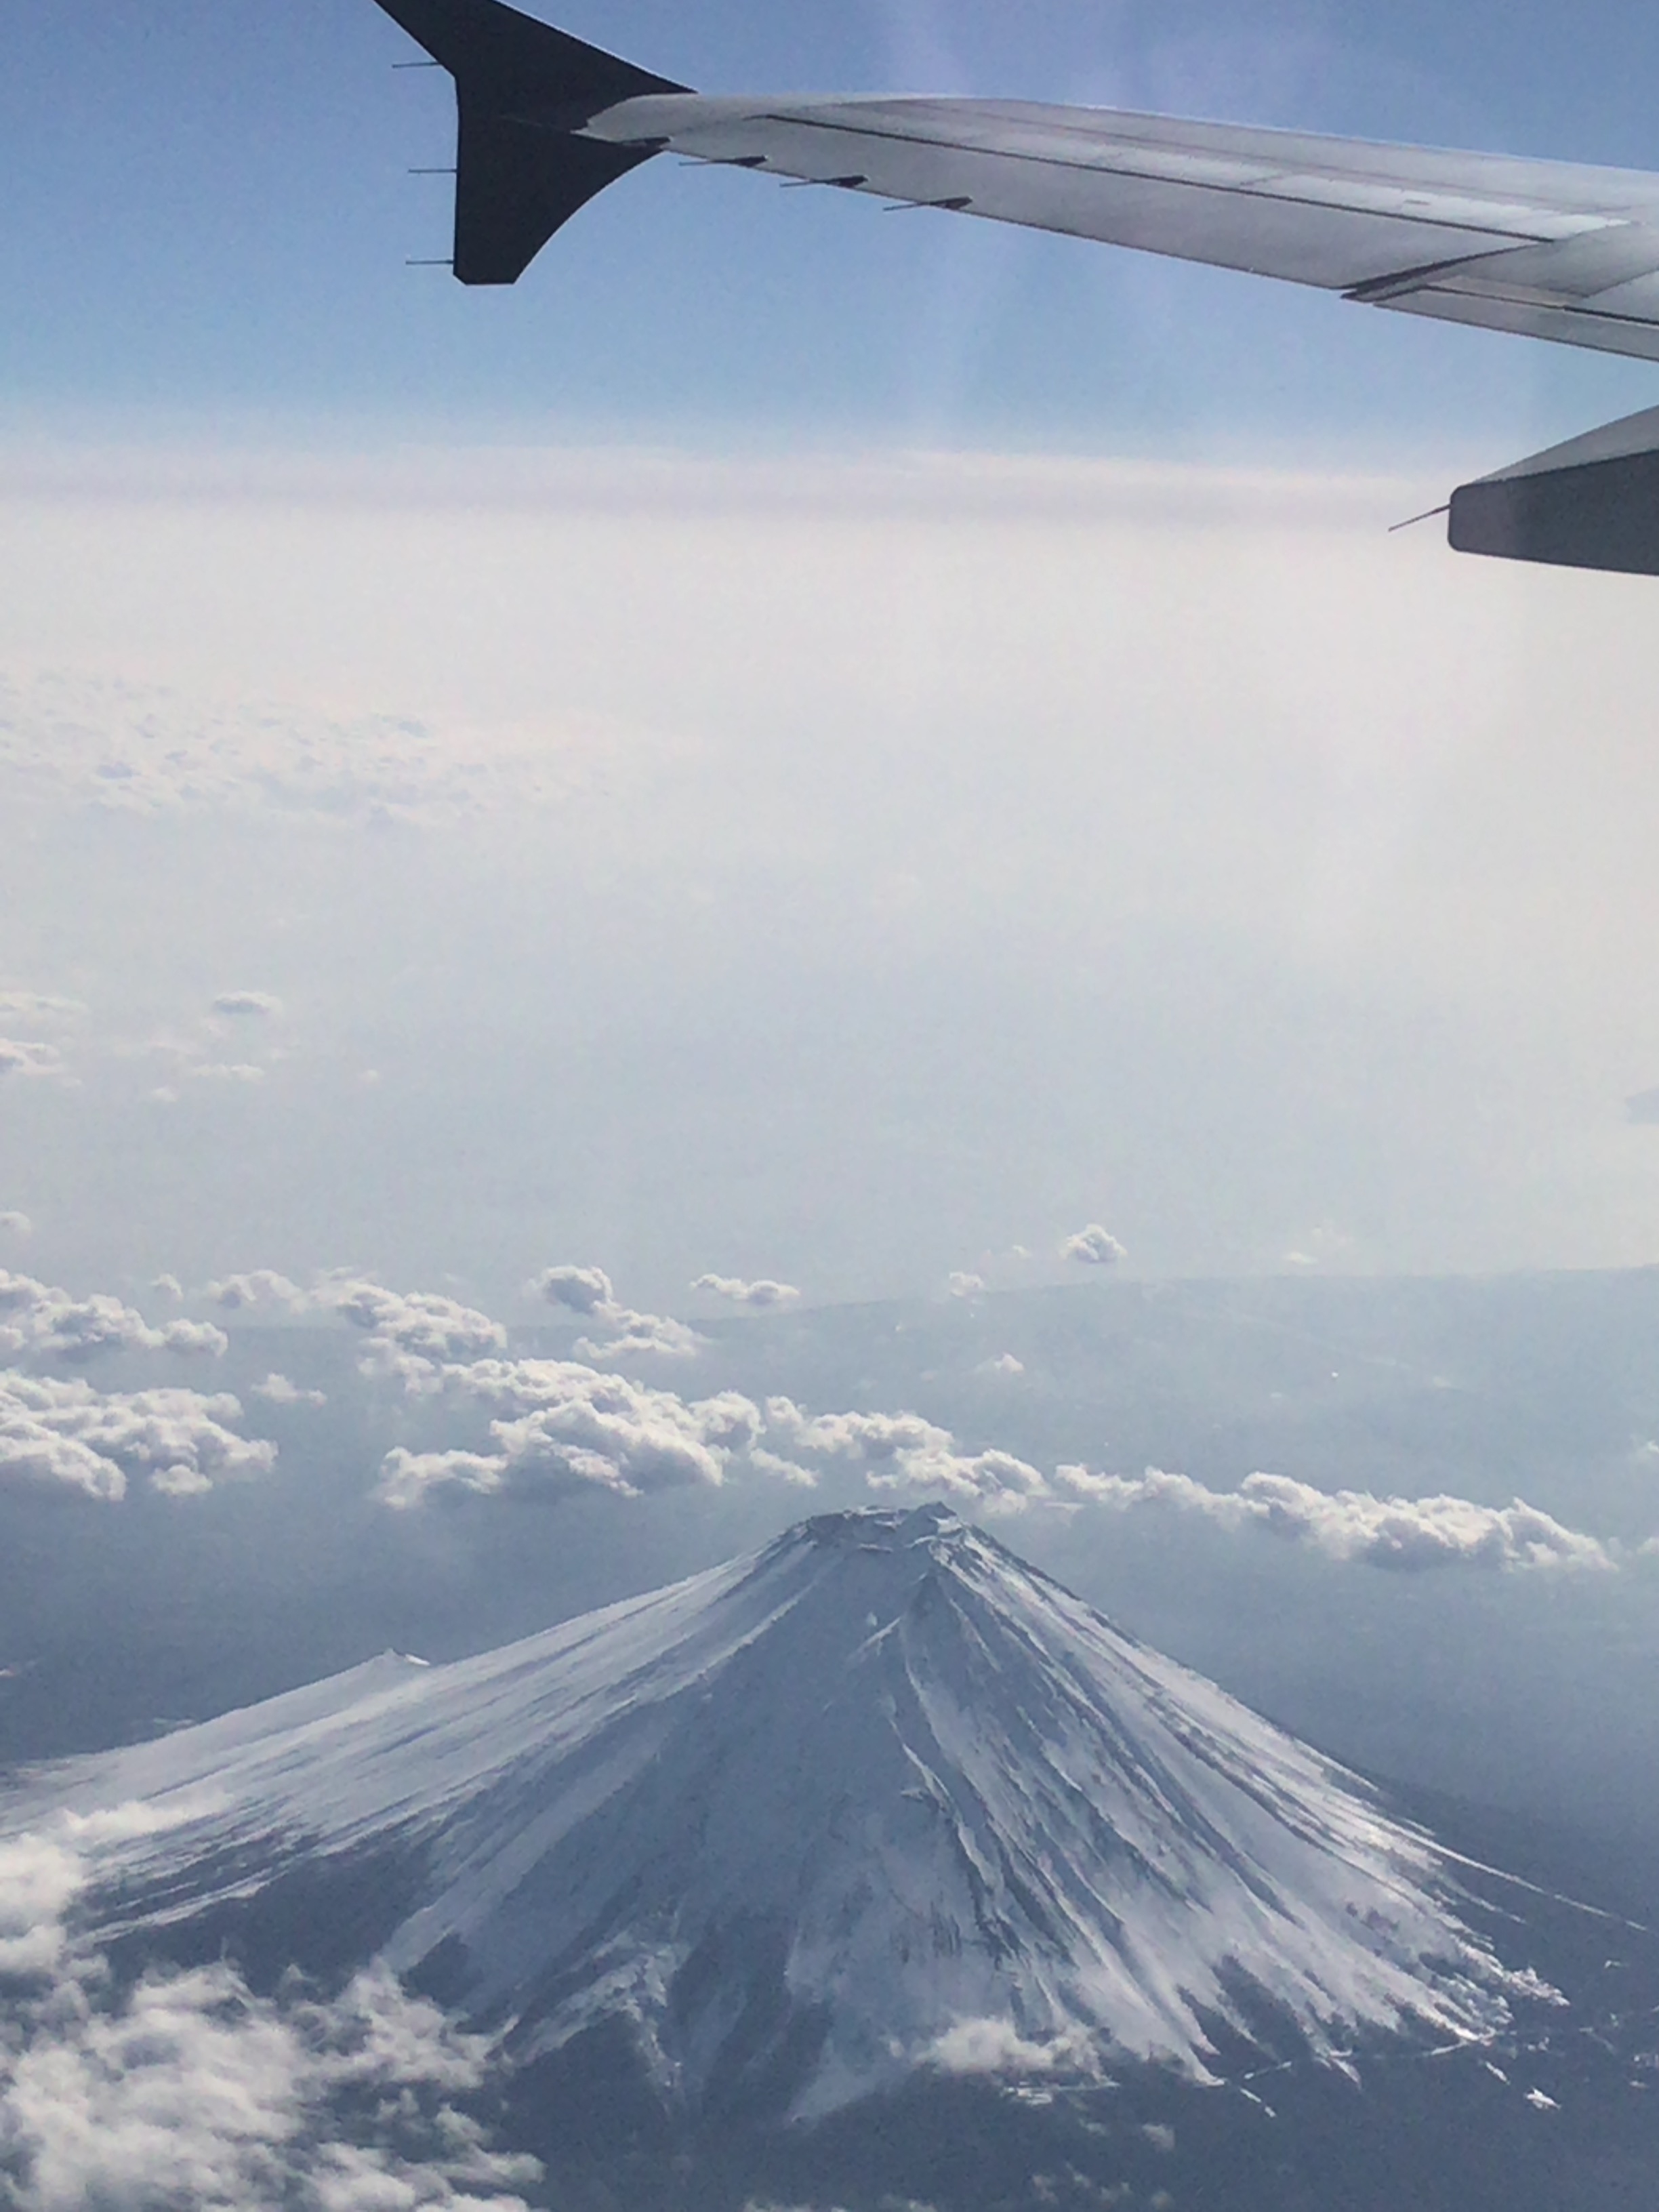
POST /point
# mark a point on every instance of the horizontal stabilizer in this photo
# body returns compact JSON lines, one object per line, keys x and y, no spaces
{"x":522,"y":90}
{"x":1591,"y":503}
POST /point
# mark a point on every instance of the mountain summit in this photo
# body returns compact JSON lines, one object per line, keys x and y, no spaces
{"x":875,"y":1799}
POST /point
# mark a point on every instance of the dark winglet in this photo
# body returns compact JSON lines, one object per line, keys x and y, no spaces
{"x":522,"y":90}
{"x":1591,"y":503}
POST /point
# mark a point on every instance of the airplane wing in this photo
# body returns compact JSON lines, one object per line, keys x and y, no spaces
{"x":1540,"y":247}
{"x":1544,"y":249}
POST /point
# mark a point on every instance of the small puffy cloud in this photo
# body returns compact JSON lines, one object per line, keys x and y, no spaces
{"x":258,"y":1004}
{"x":1004,"y":1363}
{"x":963,"y":1286}
{"x":903,"y":1451}
{"x":13,"y":1224}
{"x":1093,"y":1246}
{"x":632,"y":1335}
{"x":625,"y":1333}
{"x":168,"y":1286}
{"x":277,"y":1391}
{"x":31,"y":1058}
{"x":408,"y":1478}
{"x":260,"y":1286}
{"x":39,"y":1318}
{"x":58,"y":1430}
{"x":1409,"y":1535}
{"x":762,"y":1296}
{"x":785,"y":1470}
{"x":411,"y":1334}
{"x":579,"y":1289}
{"x":996,"y":2046}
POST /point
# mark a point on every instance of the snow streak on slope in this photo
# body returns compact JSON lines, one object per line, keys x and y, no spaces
{"x":877,"y":1796}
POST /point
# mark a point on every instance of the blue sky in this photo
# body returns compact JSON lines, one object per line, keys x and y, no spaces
{"x":209,"y":219}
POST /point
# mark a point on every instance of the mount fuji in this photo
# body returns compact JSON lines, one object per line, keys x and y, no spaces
{"x":878,"y":1801}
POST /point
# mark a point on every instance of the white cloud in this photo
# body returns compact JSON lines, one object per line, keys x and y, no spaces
{"x":167,"y":1286}
{"x":561,"y":1424}
{"x":786,"y":1470}
{"x":264,"y":1003}
{"x":13,"y":1224}
{"x":632,"y":1335}
{"x":185,"y":2089}
{"x":564,"y":1423}
{"x":1093,"y":1246}
{"x":27,"y":1059}
{"x":1407,"y":1535}
{"x":37,"y":1317}
{"x":963,"y":1286}
{"x":57,"y":1429}
{"x":996,"y":2046}
{"x":259,"y":1286}
{"x":1004,"y":1363}
{"x":410,"y":1333}
{"x":763,"y":1295}
{"x":407,"y":1478}
{"x":581,"y":1290}
{"x":589,"y":1291}
{"x":188,"y":2090}
{"x":277,"y":1391}
{"x":903,"y":1451}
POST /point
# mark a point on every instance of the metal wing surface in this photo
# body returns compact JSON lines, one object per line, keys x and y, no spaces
{"x":1547,"y":249}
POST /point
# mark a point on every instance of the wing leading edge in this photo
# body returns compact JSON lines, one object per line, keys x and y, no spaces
{"x":1546,"y":250}
{"x":1542,"y":247}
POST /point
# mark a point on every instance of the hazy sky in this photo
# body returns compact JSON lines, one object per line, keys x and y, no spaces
{"x":791,"y":742}
{"x":804,"y":759}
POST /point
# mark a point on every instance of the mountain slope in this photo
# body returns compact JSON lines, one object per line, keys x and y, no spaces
{"x":876,"y":1798}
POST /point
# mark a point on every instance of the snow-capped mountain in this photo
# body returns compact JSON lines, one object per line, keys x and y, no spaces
{"x":876,"y":1798}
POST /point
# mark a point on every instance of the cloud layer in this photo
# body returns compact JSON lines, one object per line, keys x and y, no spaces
{"x":56,"y":1429}
{"x":545,"y":1426}
{"x":134,"y":749}
{"x":38,"y":1318}
{"x":186,"y":2089}
{"x":563,"y":1424}
{"x":1406,"y":1534}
